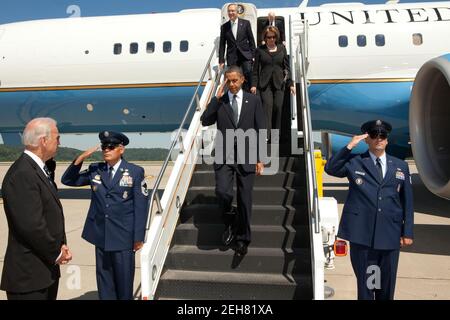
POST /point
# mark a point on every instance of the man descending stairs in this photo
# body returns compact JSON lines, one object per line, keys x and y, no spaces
{"x":278,"y":262}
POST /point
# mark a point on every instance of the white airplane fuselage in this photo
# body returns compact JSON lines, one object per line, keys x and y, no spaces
{"x":362,"y":63}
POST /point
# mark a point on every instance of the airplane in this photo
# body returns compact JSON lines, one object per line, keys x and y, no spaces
{"x":137,"y":73}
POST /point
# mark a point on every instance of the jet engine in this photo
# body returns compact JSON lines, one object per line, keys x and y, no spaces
{"x":429,"y":124}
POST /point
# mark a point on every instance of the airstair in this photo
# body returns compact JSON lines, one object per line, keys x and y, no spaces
{"x":183,"y":257}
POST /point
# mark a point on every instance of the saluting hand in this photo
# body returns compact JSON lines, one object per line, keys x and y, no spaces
{"x":253,"y":90}
{"x":221,"y":90}
{"x":86,"y":154}
{"x":356,"y":140}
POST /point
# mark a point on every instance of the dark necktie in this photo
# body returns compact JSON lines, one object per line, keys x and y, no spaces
{"x":234,"y":106}
{"x":47,"y":172}
{"x":380,"y":169}
{"x":50,"y":176}
{"x":111,"y":176}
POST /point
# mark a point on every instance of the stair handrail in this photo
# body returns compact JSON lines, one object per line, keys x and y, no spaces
{"x":309,"y":141}
{"x":179,"y":139}
{"x":160,"y":227}
{"x":301,"y":60}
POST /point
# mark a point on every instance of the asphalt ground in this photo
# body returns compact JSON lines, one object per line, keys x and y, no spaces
{"x":424,"y":268}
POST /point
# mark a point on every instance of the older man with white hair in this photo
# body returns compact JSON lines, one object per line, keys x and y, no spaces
{"x":36,"y":238}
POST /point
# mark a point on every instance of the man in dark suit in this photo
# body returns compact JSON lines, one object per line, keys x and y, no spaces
{"x":36,"y":238}
{"x":237,"y":114}
{"x":278,"y":23}
{"x":378,"y":214}
{"x":117,"y":216}
{"x":237,"y":36}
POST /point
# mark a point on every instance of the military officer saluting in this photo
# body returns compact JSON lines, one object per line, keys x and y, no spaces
{"x":377,"y":218}
{"x":117,"y":214}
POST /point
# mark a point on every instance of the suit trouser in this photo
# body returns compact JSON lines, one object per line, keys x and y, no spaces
{"x":115,"y":274}
{"x":272,"y":100}
{"x":247,"y":68}
{"x":375,"y":270}
{"x":224,"y":191}
{"x":49,"y":293}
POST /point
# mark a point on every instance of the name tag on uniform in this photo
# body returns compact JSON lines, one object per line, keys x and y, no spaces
{"x":400,"y":175}
{"x":360,"y":173}
{"x":97,"y":179}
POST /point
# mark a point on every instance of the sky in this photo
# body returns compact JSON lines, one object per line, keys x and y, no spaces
{"x":22,"y":10}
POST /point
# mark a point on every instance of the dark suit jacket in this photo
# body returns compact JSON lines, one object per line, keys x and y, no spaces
{"x":377,"y":212}
{"x":280,"y":25}
{"x":251,"y":117}
{"x":269,"y":66}
{"x":118,"y":212}
{"x":36,"y":228}
{"x":245,"y":42}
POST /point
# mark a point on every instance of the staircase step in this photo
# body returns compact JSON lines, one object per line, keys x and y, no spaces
{"x":210,"y":235}
{"x":261,"y":195}
{"x":257,"y":260}
{"x":233,"y":286}
{"x":261,"y":214}
{"x":280,"y":179}
{"x":293,"y":164}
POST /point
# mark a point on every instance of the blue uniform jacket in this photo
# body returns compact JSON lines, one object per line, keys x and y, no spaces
{"x":118,"y":211}
{"x":376,"y":213}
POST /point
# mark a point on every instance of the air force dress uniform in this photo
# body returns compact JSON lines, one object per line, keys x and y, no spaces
{"x":378,"y":211}
{"x":116,"y":219}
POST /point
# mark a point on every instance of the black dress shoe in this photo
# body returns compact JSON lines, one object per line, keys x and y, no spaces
{"x":228,"y":235}
{"x":241,"y":248}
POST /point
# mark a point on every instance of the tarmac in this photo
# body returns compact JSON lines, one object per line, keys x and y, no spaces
{"x":424,"y":268}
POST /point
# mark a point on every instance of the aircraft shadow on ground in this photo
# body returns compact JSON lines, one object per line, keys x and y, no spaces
{"x":424,"y":201}
{"x":430,"y":239}
{"x":81,"y":194}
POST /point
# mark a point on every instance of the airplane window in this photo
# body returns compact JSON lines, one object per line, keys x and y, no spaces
{"x":361,"y":40}
{"x":167,"y":46}
{"x":343,"y":41}
{"x":417,"y":39}
{"x":150,"y":47}
{"x":379,"y":40}
{"x":134,"y":47}
{"x":184,"y":46}
{"x":118,"y":48}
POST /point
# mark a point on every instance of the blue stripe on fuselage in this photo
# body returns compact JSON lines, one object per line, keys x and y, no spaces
{"x":336,"y":107}
{"x":128,"y":109}
{"x":343,"y":107}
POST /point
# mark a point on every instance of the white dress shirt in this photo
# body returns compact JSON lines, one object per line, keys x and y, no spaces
{"x":36,"y":159}
{"x":234,"y":27}
{"x":239,"y":97}
{"x":382,"y":161}
{"x":115,"y":168}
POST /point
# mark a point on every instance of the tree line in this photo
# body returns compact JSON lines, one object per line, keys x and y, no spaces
{"x":11,"y":153}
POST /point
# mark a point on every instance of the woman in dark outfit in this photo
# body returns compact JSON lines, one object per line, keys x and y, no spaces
{"x":271,"y":72}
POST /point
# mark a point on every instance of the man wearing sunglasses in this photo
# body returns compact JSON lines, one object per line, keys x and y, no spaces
{"x":377,"y":218}
{"x":117,"y":215}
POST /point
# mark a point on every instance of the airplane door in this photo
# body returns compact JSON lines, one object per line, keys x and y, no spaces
{"x":246,"y":11}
